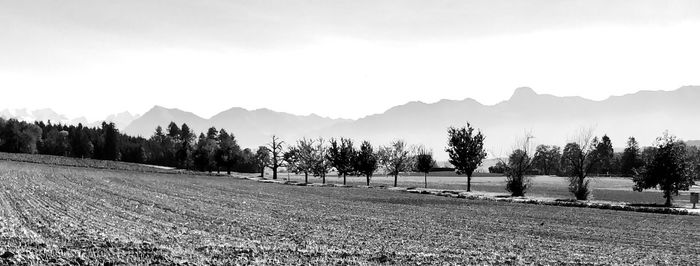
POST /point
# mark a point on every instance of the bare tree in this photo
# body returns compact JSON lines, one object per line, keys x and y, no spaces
{"x":579,"y":159}
{"x":277,"y":156}
{"x":519,"y":164}
{"x":319,"y":158}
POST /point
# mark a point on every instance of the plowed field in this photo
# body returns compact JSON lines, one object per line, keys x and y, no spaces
{"x":60,"y":214}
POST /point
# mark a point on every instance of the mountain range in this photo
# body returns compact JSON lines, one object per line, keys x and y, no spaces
{"x":550,"y":119}
{"x":120,"y":120}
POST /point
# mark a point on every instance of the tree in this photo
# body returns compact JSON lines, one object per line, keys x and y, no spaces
{"x":320,"y":165}
{"x":227,"y":152}
{"x":693,"y":153}
{"x":301,"y":157}
{"x":81,"y":147}
{"x":211,"y":146}
{"x":262,"y":157}
{"x":201,"y":154}
{"x":578,"y":159}
{"x":518,"y":168}
{"x":395,"y":158}
{"x":424,"y":163}
{"x":341,"y":156}
{"x":366,"y":161}
{"x":291,"y":160}
{"x":275,"y":147}
{"x":499,"y":168}
{"x":631,"y":158}
{"x":466,"y":150}
{"x":247,"y":162}
{"x":56,"y":142}
{"x":547,"y":159}
{"x":668,"y":169}
{"x":173,"y":131}
{"x":605,"y":154}
{"x":184,"y":152}
{"x":111,"y":148}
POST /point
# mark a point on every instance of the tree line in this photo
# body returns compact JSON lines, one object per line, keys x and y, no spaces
{"x":176,"y":146}
{"x":670,"y":164}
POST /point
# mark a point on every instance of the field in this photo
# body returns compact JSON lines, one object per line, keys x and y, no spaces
{"x":603,"y":188}
{"x":59,"y":214}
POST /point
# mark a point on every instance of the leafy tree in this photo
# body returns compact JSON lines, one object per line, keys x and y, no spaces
{"x":183,"y":156}
{"x":111,"y":143}
{"x":547,"y":159}
{"x":56,"y":142}
{"x":605,"y":154}
{"x":366,"y":161}
{"x":395,"y":158}
{"x":301,"y":158}
{"x":81,"y":147}
{"x":578,"y":159}
{"x":201,"y":153}
{"x":291,"y":160}
{"x":668,"y":169}
{"x":173,"y":131}
{"x":262,"y":158}
{"x":227,"y":151}
{"x":247,"y":162}
{"x":342,"y":156}
{"x":424,"y":163}
{"x":631,"y":158}
{"x":499,"y":168}
{"x":693,"y":153}
{"x":211,"y":145}
{"x":466,"y":150}
{"x":275,"y":147}
{"x":29,"y":136}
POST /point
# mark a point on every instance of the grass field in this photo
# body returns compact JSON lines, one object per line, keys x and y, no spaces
{"x":604,"y":188}
{"x":59,"y":214}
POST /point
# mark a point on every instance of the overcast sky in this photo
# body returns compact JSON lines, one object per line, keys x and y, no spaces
{"x":335,"y":58}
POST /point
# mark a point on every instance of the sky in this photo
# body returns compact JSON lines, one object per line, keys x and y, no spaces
{"x":340,"y":59}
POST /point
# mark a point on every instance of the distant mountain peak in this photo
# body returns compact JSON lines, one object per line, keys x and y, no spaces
{"x":523,"y":93}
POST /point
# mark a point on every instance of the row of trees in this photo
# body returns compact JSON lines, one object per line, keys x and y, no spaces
{"x":317,"y":157}
{"x":549,"y":159}
{"x":669,"y":165}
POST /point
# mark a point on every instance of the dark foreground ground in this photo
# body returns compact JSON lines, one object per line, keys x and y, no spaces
{"x":60,"y":215}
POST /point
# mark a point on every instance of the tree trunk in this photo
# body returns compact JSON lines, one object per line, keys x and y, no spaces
{"x":668,"y":199}
{"x":262,"y":172}
{"x":274,"y":173}
{"x":344,"y":178}
{"x":368,"y":177}
{"x":396,"y":178}
{"x":469,"y":183}
{"x":306,"y":177}
{"x":426,"y":180}
{"x":324,"y":178}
